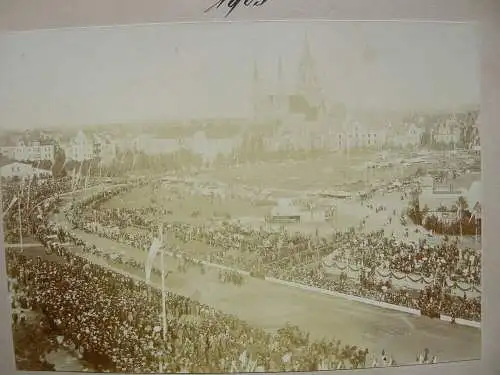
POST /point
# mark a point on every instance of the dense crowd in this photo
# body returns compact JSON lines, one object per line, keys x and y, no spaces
{"x":121,"y":329}
{"x":421,"y":259}
{"x":284,"y":255}
{"x":60,"y":284}
{"x":31,"y":336}
{"x":113,"y":334}
{"x":26,"y":198}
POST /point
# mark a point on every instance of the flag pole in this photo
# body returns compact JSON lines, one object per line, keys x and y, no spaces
{"x":20,"y":224}
{"x":163,"y":299}
{"x":28,"y":199}
{"x":477,"y":224}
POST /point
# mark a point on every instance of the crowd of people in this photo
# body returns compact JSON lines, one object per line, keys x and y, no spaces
{"x":121,"y":330}
{"x":407,"y":257}
{"x":23,"y":199}
{"x":298,"y":257}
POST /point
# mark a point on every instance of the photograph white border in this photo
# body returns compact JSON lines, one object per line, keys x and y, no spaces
{"x":18,"y":15}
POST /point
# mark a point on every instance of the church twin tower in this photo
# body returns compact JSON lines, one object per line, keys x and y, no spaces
{"x":305,"y":101}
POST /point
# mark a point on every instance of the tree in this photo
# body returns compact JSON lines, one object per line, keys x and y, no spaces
{"x":462,"y":204}
{"x":58,"y":170}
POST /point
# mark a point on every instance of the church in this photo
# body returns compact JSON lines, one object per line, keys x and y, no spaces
{"x":307,"y":120}
{"x":305,"y":102}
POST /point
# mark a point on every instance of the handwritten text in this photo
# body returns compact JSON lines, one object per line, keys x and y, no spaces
{"x":232,"y":4}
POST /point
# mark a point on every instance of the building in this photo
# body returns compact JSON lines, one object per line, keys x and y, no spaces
{"x":447,"y":132}
{"x":304,"y":101}
{"x":307,"y":120}
{"x":408,"y":135}
{"x":104,"y":148}
{"x":210,"y":148}
{"x":91,"y":146}
{"x":353,"y":134}
{"x":474,"y":137}
{"x":22,"y":171}
{"x":30,"y":151}
{"x":150,"y":145}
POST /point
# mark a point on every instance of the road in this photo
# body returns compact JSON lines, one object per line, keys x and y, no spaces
{"x":270,"y":305}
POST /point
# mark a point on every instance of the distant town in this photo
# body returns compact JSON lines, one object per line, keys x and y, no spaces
{"x":284,"y":121}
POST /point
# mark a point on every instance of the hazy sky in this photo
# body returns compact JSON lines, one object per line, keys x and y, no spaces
{"x":159,"y":72}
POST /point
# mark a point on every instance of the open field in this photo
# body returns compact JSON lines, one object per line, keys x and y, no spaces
{"x":182,"y":206}
{"x":180,"y":209}
{"x":336,"y":171}
{"x":349,"y":213}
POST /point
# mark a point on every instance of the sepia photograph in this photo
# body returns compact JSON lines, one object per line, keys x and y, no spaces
{"x":220,"y":197}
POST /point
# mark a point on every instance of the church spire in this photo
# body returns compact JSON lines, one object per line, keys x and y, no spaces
{"x":280,"y":76}
{"x":280,"y":69}
{"x":256,"y":90}
{"x":255,"y":72}
{"x":307,"y":49}
{"x":281,"y":97}
{"x":308,"y":83}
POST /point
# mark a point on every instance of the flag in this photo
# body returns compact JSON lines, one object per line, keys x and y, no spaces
{"x":30,"y":180}
{"x":12,"y":202}
{"x":476,"y":212}
{"x":286,"y":358}
{"x":73,"y":175}
{"x":322,"y":365}
{"x":243,"y":358}
{"x":153,"y":251}
{"x":252,"y":364}
{"x":134,"y":159}
{"x":22,"y":183}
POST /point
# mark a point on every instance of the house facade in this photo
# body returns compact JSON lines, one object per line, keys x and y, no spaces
{"x":22,"y":171}
{"x":447,"y":132}
{"x":90,"y":146}
{"x":407,"y":135}
{"x":356,"y":135}
{"x":150,"y":145}
{"x":30,"y":151}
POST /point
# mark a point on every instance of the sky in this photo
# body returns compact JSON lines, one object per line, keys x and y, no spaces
{"x":150,"y":73}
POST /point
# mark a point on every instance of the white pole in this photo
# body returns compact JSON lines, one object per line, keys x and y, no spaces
{"x":461,"y":229}
{"x":20,"y":224}
{"x":163,"y":299}
{"x":29,"y":189}
{"x":477,"y":224}
{"x":88,"y":176}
